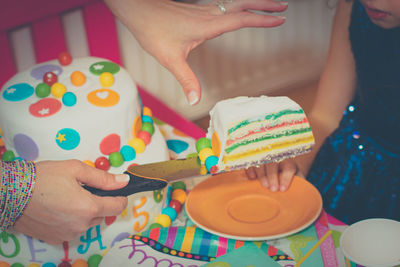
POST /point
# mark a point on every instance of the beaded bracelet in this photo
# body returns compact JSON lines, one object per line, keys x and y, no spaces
{"x":17,"y":182}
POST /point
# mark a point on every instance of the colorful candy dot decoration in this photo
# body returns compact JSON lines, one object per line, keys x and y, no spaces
{"x":116,"y":159}
{"x":42,"y":90}
{"x":145,"y":136}
{"x":69,"y":99}
{"x":146,"y":118}
{"x":80,"y":263}
{"x":180,"y":195}
{"x":106,"y":79}
{"x":207,"y":155}
{"x":128,"y":153}
{"x":102,"y":163}
{"x":148,"y":127}
{"x":8,"y":155}
{"x":65,"y":58}
{"x":172,"y":214}
{"x":164,"y":220}
{"x":138,"y":144}
{"x":202,"y":143}
{"x":175,"y":204}
{"x":89,"y":163}
{"x":94,"y":260}
{"x":78,"y":78}
{"x":152,"y":226}
{"x":179,"y":185}
{"x":58,"y":90}
{"x":50,"y":78}
{"x":147,"y":112}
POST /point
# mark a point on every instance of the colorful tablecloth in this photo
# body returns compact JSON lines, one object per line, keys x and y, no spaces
{"x":184,"y":244}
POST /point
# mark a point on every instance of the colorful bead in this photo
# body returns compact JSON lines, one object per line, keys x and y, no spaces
{"x":94,"y":260}
{"x":50,"y":78}
{"x":33,"y":265}
{"x":214,"y":169}
{"x":58,"y":90}
{"x":147,"y":112}
{"x":205,"y":153}
{"x":148,"y":127}
{"x":106,"y":79}
{"x":8,"y":155}
{"x":164,"y":220}
{"x":69,"y":99}
{"x":64,"y":264}
{"x":145,"y":136}
{"x":203,"y":143}
{"x":102,"y":163}
{"x":175,"y":204}
{"x":42,"y":90}
{"x":64,"y":58}
{"x":211,"y":161}
{"x":80,"y":263}
{"x":179,"y":194}
{"x":146,"y":118}
{"x":78,"y":78}
{"x":179,"y":185}
{"x":170,"y":212}
{"x":128,"y":153}
{"x":4,"y":264}
{"x":116,"y":159}
{"x":203,"y":170}
{"x":138,"y":144}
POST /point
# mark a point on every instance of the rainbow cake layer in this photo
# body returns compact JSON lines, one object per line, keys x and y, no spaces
{"x":250,"y":131}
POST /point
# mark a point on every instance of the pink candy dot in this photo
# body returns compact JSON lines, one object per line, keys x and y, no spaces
{"x":145,"y":136}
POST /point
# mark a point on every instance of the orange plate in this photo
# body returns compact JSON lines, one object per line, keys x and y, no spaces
{"x":230,"y":205}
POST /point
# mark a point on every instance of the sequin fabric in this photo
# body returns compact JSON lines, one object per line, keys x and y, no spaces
{"x":357,"y":169}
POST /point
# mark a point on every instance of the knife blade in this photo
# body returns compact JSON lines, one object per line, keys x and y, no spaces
{"x":154,"y":176}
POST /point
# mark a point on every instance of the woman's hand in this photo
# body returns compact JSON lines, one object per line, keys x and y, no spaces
{"x":275,"y":176}
{"x":60,"y":209}
{"x":169,"y":30}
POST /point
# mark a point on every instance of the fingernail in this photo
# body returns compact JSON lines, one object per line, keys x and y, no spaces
{"x":282,"y":188}
{"x":192,"y":98}
{"x":284,"y":3}
{"x":122,"y":178}
{"x":282,"y":17}
{"x":273,"y":188}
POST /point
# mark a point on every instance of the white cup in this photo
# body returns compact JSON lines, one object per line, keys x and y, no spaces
{"x":372,"y":243}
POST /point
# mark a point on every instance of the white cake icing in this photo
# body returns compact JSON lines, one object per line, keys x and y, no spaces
{"x":249,"y":127}
{"x":52,"y":130}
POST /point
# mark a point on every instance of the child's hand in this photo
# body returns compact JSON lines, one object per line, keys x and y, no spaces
{"x":60,"y":209}
{"x":275,"y":176}
{"x":169,"y":30}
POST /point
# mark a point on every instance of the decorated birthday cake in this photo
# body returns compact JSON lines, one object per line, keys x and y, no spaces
{"x":87,"y":109}
{"x":251,"y":131}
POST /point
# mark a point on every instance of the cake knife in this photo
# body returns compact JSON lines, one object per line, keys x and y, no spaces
{"x":154,"y":176}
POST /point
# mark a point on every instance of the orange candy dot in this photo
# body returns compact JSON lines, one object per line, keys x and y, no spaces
{"x":78,"y":78}
{"x":90,"y":163}
{"x":179,"y":194}
{"x":4,"y":264}
{"x":216,"y":144}
{"x":147,"y":111}
{"x":80,"y":263}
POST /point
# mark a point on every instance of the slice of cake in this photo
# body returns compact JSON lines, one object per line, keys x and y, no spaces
{"x":250,"y":131}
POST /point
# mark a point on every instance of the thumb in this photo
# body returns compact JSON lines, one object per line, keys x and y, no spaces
{"x":100,"y":179}
{"x":187,"y":79}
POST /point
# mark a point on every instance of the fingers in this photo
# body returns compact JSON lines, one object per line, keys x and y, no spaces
{"x":187,"y":79}
{"x":272,"y":176}
{"x":288,"y":170}
{"x":98,"y":178}
{"x":251,"y":173}
{"x":261,"y":5}
{"x":109,"y":206}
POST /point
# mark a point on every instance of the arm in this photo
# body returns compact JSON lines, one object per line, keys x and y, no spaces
{"x":169,"y":30}
{"x":336,"y":87}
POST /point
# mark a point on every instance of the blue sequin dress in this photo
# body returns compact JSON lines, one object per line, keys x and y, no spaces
{"x":357,"y":169}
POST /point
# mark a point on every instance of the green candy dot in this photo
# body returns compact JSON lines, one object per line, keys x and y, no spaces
{"x":155,"y":225}
{"x":179,"y":185}
{"x":148,"y":127}
{"x":94,"y":260}
{"x":42,"y":90}
{"x":17,"y":264}
{"x":165,"y":249}
{"x":202,"y":143}
{"x":8,"y":155}
{"x":116,"y":159}
{"x":191,"y":155}
{"x":104,"y":66}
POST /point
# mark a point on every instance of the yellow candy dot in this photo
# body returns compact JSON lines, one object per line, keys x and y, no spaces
{"x":203,"y":170}
{"x":58,"y":90}
{"x":138,"y":144}
{"x":147,"y":111}
{"x":164,"y":220}
{"x":205,"y":153}
{"x":78,"y":78}
{"x":106,"y":79}
{"x":90,"y":163}
{"x":33,"y":265}
{"x":179,"y":194}
{"x":80,"y":263}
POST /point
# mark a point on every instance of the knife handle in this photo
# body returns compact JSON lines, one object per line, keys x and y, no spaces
{"x":136,"y":184}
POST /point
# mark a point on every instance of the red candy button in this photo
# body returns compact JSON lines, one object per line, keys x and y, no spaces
{"x":50,"y":78}
{"x":111,"y":143}
{"x":145,"y":136}
{"x":65,"y":58}
{"x":102,"y":163}
{"x":175,"y":204}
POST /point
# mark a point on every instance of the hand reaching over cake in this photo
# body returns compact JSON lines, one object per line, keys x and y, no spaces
{"x":248,"y":132}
